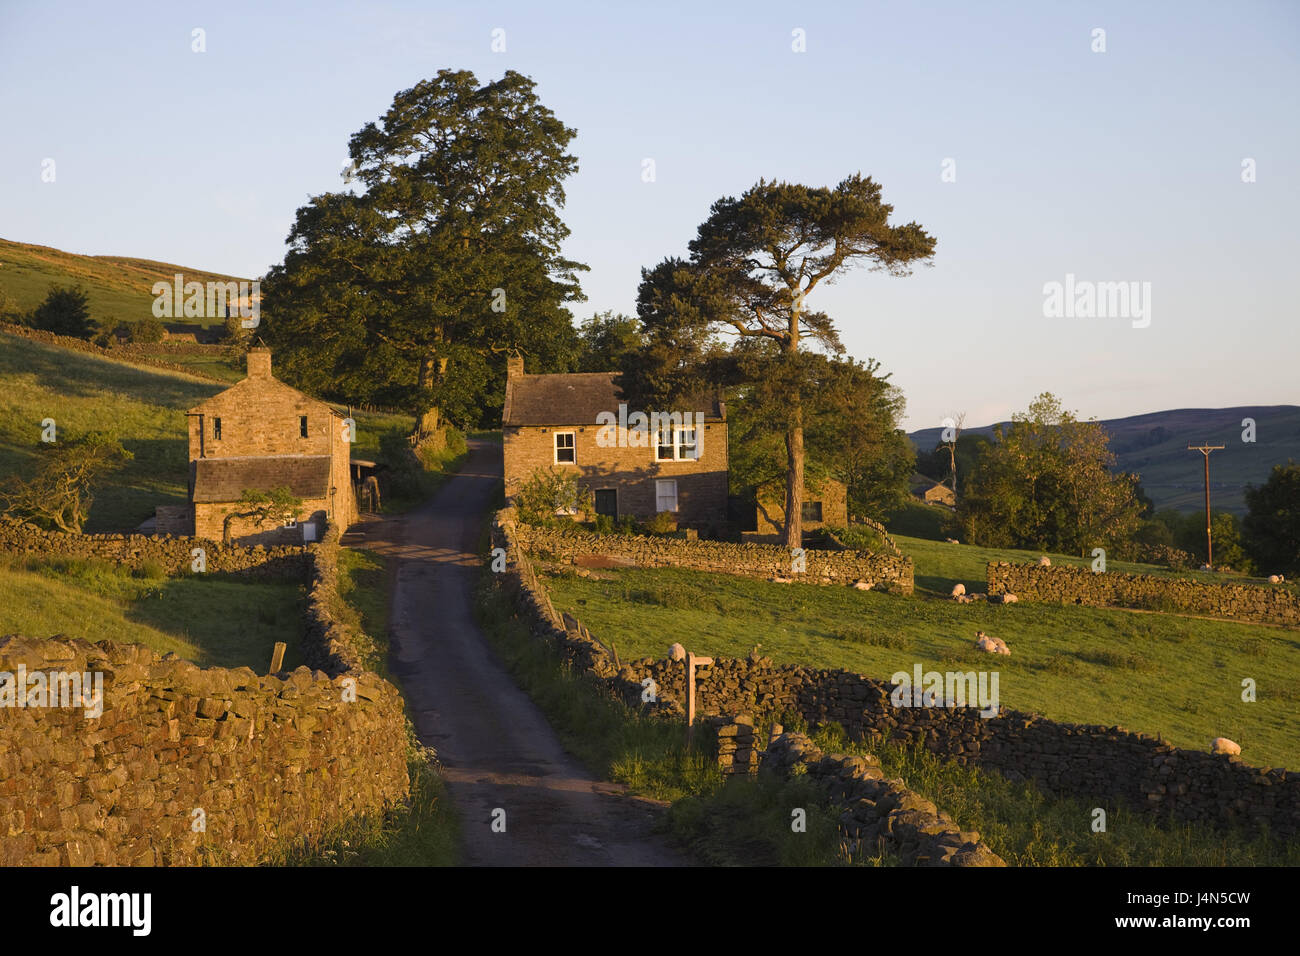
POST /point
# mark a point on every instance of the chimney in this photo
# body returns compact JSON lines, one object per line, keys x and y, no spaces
{"x":259,"y":362}
{"x":514,"y":366}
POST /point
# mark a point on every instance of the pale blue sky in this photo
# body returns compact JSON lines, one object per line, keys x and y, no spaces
{"x":1122,"y":165}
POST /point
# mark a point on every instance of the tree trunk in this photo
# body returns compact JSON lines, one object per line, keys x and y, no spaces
{"x":432,"y":368}
{"x":794,"y":477}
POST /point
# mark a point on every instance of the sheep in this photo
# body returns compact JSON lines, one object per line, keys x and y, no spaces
{"x":1044,"y":562}
{"x":991,"y":645}
{"x":958,"y":589}
{"x":1222,"y":745}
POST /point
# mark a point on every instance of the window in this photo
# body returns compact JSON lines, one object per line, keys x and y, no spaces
{"x":302,"y":426}
{"x":565,"y":451}
{"x":291,"y":522}
{"x":666,"y":494}
{"x":680,"y":446}
{"x":687,"y":449}
{"x":811,"y":511}
{"x":216,"y":429}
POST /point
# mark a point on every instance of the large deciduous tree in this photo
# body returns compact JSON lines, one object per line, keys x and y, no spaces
{"x":753,"y":263}
{"x":1046,"y":483}
{"x":410,"y":290}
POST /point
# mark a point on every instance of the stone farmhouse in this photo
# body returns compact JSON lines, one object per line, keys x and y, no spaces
{"x":257,"y":435}
{"x":580,"y":423}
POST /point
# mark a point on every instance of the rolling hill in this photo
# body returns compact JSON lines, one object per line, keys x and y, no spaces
{"x":1154,"y":446}
{"x":118,"y":287}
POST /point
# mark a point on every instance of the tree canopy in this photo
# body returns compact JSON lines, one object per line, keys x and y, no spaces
{"x":1046,"y":483}
{"x":752,"y":264}
{"x":1272,"y":524}
{"x":410,"y":290}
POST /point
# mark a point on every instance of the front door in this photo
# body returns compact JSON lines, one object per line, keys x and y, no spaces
{"x":607,"y":502}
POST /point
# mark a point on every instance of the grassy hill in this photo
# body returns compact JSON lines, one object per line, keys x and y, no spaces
{"x":118,"y":287}
{"x":144,"y":407}
{"x":1155,"y":446}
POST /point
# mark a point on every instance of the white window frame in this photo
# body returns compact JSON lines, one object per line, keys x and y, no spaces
{"x":555,"y":448}
{"x":678,"y":445}
{"x":659,"y":495}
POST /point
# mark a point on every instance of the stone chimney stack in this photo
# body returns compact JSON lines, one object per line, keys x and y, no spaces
{"x":514,"y":366}
{"x":259,"y":362}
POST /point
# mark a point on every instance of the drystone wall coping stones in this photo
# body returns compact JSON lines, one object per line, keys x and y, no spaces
{"x":882,"y":570}
{"x":1074,"y":585}
{"x":267,"y":761}
{"x":878,"y":814}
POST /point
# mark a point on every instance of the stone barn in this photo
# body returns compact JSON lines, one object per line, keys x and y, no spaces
{"x":562,"y":422}
{"x":261,"y":434}
{"x":825,"y":505}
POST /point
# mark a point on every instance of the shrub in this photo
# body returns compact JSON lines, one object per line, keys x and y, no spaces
{"x":548,"y":492}
{"x":65,"y":311}
{"x":147,"y":331}
{"x":662,"y":523}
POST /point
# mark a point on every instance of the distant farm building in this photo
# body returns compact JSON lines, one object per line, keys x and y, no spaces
{"x":932,"y":492}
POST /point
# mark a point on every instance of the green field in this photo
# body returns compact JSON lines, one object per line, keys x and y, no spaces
{"x":144,"y":407}
{"x":211,"y":622}
{"x":1156,"y":673}
{"x":118,"y":288}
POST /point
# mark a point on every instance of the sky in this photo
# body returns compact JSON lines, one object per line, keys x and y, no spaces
{"x":1162,"y":153}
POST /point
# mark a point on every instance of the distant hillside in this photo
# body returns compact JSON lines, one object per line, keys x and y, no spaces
{"x":1155,"y":446}
{"x":119,"y":288}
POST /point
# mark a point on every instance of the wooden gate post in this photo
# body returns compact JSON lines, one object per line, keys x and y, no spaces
{"x":692,"y":662}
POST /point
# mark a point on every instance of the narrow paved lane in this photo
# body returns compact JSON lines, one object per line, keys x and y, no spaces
{"x":496,"y":748}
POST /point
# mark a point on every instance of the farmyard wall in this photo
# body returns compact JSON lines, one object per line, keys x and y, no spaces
{"x":175,"y":555}
{"x":269,"y":760}
{"x":879,"y":570}
{"x":1073,"y":585}
{"x":1107,"y":765}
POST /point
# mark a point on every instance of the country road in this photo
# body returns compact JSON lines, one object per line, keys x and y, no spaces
{"x":496,"y":748}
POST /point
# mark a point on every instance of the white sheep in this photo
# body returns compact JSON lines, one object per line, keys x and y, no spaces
{"x":1222,"y":745}
{"x":958,"y":589}
{"x":991,"y":645}
{"x":1044,"y":562}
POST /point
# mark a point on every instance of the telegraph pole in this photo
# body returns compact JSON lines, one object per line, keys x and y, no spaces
{"x":1209,"y":546}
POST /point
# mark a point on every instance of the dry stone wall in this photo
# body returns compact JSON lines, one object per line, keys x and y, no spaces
{"x":173,"y":554}
{"x":266,"y":761}
{"x":878,"y":814}
{"x":881,"y":571}
{"x":1102,"y":765}
{"x":1073,"y":585}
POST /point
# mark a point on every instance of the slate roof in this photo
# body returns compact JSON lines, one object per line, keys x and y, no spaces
{"x":577,"y":398}
{"x":226,"y":479}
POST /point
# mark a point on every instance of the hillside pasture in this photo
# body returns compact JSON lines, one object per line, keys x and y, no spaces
{"x":1161,"y":674}
{"x":209,"y":621}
